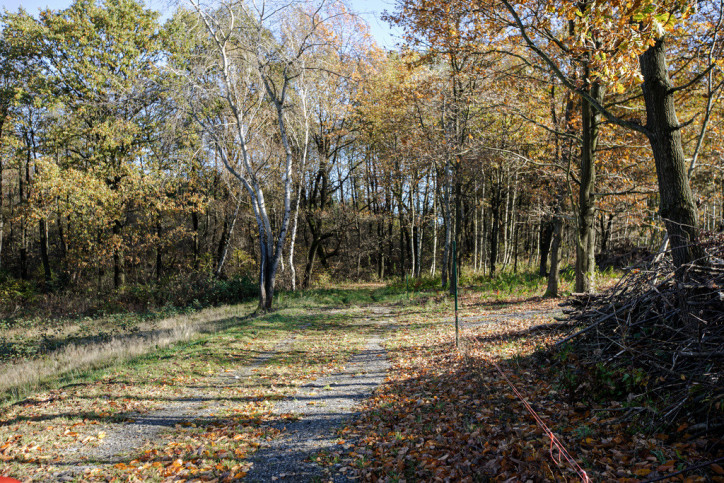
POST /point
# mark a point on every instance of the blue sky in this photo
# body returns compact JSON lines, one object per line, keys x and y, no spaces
{"x":370,"y":10}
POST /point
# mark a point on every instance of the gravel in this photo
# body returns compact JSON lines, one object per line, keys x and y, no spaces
{"x":125,"y":437}
{"x":322,"y":407}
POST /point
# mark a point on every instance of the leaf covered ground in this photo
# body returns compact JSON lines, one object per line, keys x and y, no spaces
{"x":442,"y":414}
{"x":452,"y":416}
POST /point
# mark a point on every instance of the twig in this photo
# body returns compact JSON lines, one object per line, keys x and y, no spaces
{"x":686,"y":470}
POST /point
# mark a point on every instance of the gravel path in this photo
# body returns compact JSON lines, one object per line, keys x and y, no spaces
{"x":137,"y":429}
{"x":322,"y":407}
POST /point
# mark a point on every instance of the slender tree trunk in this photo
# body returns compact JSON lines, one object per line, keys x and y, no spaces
{"x":2,"y":233}
{"x":585,"y":244}
{"x":419,"y":231}
{"x":2,"y":196}
{"x":61,"y":238}
{"x":475,"y":229}
{"x":43,"y":231}
{"x":516,"y":233}
{"x":513,"y":224}
{"x":505,"y":225}
{"x":195,"y":238}
{"x":544,"y":244}
{"x":676,"y":204}
{"x":495,"y":226}
{"x":119,"y":269}
{"x":293,"y":241}
{"x":448,"y":221}
{"x":311,"y":258}
{"x":159,"y":256}
{"x":554,"y":275}
{"x":23,"y":228}
{"x":403,"y":251}
{"x":606,"y":229}
{"x":3,"y":117}
{"x":434,"y":227}
{"x":411,"y":230}
{"x":226,"y":241}
{"x":483,"y":233}
{"x":458,"y":222}
{"x":391,"y":244}
{"x":101,"y":272}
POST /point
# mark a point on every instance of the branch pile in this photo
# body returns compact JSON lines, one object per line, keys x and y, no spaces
{"x":661,"y":337}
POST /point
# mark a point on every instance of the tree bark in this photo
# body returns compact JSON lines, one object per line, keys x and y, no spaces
{"x":435,"y":195}
{"x":676,"y":204}
{"x":3,"y":117}
{"x":447,"y":220}
{"x":43,"y":231}
{"x":196,"y":238}
{"x":554,"y":274}
{"x":159,"y":254}
{"x":119,"y":273}
{"x":495,"y":226}
{"x":544,"y":244}
{"x":585,"y":243}
{"x":226,"y":241}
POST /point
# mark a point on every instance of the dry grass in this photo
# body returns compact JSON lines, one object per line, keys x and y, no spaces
{"x":19,"y":378}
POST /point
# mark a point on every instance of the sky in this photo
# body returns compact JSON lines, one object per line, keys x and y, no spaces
{"x":370,"y":10}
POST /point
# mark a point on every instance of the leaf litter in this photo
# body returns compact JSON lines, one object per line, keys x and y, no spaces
{"x":441,"y":415}
{"x":451,"y":416}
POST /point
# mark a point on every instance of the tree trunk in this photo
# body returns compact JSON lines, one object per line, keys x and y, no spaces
{"x":23,"y":252}
{"x":226,"y":241}
{"x":504,"y":220}
{"x":483,"y":237}
{"x":295,"y":224}
{"x":3,"y":117}
{"x":606,"y":231}
{"x":459,"y":248}
{"x":195,"y":239}
{"x":309,"y":268}
{"x":495,"y":226}
{"x":43,"y":229}
{"x":585,"y":243}
{"x":516,"y":231}
{"x":61,"y":238}
{"x":119,"y":272}
{"x":475,"y":228}
{"x":554,"y":274}
{"x":676,"y":204}
{"x":447,"y":220}
{"x":544,"y":245}
{"x":434,"y":228}
{"x":2,"y":200}
{"x":380,"y":249}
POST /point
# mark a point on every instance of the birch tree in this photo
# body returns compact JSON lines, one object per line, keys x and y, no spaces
{"x":239,"y":84}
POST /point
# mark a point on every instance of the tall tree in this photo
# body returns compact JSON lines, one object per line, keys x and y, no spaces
{"x":249,"y":57}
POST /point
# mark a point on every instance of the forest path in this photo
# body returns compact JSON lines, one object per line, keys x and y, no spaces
{"x":135,"y":430}
{"x":319,"y":409}
{"x":302,"y":416}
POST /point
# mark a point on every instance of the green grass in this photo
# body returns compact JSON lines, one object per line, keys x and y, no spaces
{"x":72,"y":408}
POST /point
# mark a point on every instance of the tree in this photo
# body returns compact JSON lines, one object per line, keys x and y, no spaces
{"x":611,"y":35}
{"x":251,"y":57}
